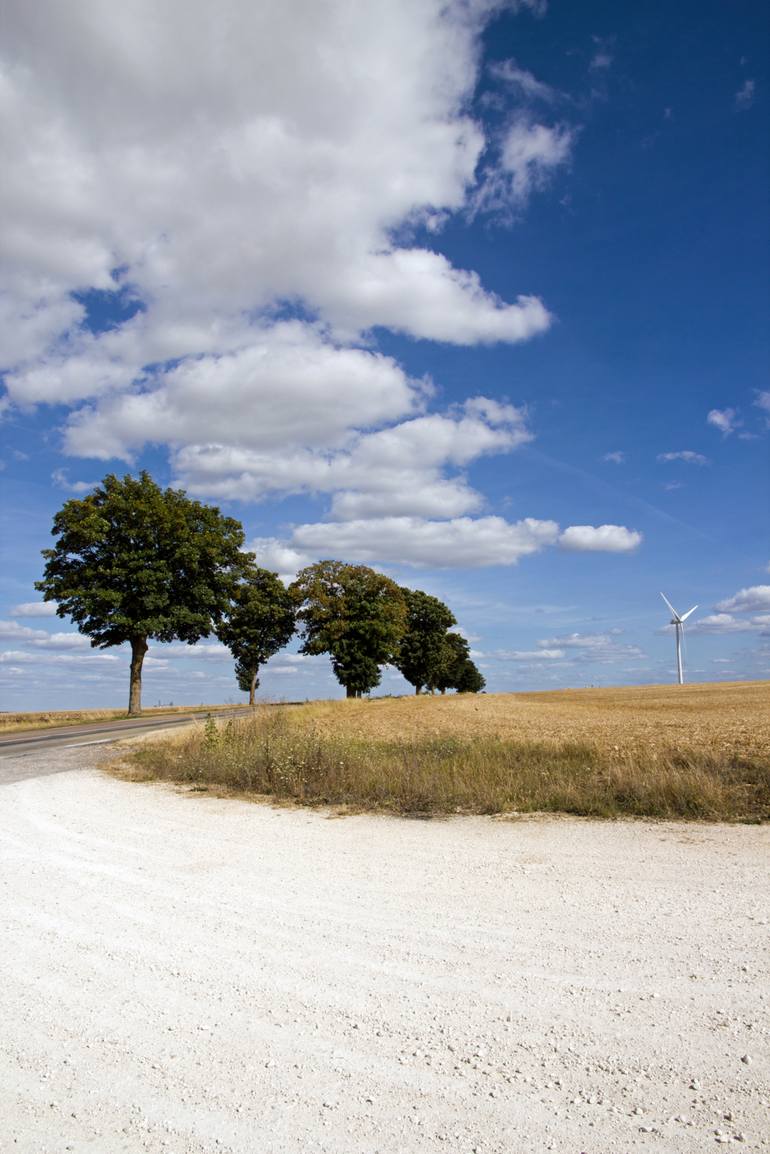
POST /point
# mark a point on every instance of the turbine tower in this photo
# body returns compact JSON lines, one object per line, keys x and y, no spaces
{"x":678,"y":620}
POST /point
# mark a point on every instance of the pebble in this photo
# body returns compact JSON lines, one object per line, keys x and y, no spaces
{"x":746,"y":1059}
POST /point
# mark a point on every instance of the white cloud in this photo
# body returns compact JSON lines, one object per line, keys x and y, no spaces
{"x":744,"y":97}
{"x":600,"y":538}
{"x":601,"y":647}
{"x":290,"y":385}
{"x":71,"y":660}
{"x":279,"y":557}
{"x":687,"y":455}
{"x":16,"y":657}
{"x":398,"y":470}
{"x":763,"y":402}
{"x":615,"y":458}
{"x":241,"y":157}
{"x":530,"y":654}
{"x":62,"y":481}
{"x":531,"y":152}
{"x":522,"y":82}
{"x":40,"y":638}
{"x":465,"y":542}
{"x":34,"y":609}
{"x":461,"y":541}
{"x":726,"y":420}
{"x":720,"y":623}
{"x":204,"y":650}
{"x":755,"y":598}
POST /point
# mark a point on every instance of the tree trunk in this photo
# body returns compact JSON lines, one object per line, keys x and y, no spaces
{"x":350,"y":692}
{"x":138,"y":650}
{"x":252,"y":687}
{"x":417,"y":690}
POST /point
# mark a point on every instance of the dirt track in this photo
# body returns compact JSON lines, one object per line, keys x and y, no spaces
{"x":185,"y":974}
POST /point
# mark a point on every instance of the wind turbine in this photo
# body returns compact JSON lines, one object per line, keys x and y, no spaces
{"x":678,"y":620}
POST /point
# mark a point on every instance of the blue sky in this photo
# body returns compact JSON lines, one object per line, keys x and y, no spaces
{"x":476,"y":294}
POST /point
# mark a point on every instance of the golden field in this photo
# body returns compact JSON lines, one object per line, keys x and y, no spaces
{"x":699,"y":751}
{"x":51,"y":719}
{"x":729,"y":717}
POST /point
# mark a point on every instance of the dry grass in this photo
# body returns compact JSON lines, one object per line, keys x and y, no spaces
{"x":16,"y":722}
{"x":695,"y":752}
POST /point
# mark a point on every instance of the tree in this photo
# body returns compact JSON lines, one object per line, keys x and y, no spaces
{"x":135,"y":562}
{"x":259,"y":622}
{"x":422,"y":646}
{"x":456,"y":670}
{"x":470,"y":679}
{"x":355,"y":615}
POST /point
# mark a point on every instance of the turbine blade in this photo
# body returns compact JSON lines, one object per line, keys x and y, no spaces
{"x":687,"y":614}
{"x":671,"y":607}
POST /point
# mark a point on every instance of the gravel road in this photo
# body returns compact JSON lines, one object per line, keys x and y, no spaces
{"x":190,"y":975}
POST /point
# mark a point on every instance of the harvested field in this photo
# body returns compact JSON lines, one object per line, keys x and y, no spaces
{"x":52,"y":719}
{"x":733,"y":716}
{"x":692,"y":752}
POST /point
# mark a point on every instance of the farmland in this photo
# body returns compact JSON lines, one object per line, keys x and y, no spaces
{"x":700,"y":751}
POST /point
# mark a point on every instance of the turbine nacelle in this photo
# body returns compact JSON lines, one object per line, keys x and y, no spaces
{"x":677,"y":618}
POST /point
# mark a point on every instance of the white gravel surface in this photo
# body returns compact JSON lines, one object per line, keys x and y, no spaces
{"x":187,"y":974}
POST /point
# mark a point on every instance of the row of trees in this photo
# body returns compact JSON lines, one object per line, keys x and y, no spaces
{"x":134,"y":563}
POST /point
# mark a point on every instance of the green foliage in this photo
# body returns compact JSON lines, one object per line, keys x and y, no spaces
{"x":260,"y":620}
{"x":422,"y":646}
{"x":456,"y":670}
{"x":470,"y":679}
{"x":247,"y":678}
{"x":134,"y":561}
{"x":355,"y":615}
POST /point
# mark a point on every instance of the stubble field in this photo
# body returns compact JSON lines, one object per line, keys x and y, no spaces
{"x":699,"y":751}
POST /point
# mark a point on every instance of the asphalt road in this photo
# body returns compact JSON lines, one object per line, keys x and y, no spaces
{"x":98,"y":732}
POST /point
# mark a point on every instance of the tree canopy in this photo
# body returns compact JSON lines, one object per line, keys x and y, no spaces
{"x":355,"y":615}
{"x":422,"y":646}
{"x":259,"y":621}
{"x":455,"y":669}
{"x":134,"y":562}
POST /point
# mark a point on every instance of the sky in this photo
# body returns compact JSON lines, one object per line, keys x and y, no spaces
{"x":473,"y":292}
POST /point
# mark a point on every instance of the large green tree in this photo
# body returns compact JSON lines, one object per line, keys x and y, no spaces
{"x":134,"y":563}
{"x":422,"y":646}
{"x":259,"y":621}
{"x":355,"y":615}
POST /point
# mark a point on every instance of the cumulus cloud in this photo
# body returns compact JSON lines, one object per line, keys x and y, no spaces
{"x":726,"y":420}
{"x":753,"y":599}
{"x":461,"y":541}
{"x":600,"y":539}
{"x":531,"y":153}
{"x":615,"y":458}
{"x":62,"y":481}
{"x":465,"y":542}
{"x":721,"y":623}
{"x":241,"y":158}
{"x":687,"y":455}
{"x":34,"y":609}
{"x":288,"y":385}
{"x":397,"y":470}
